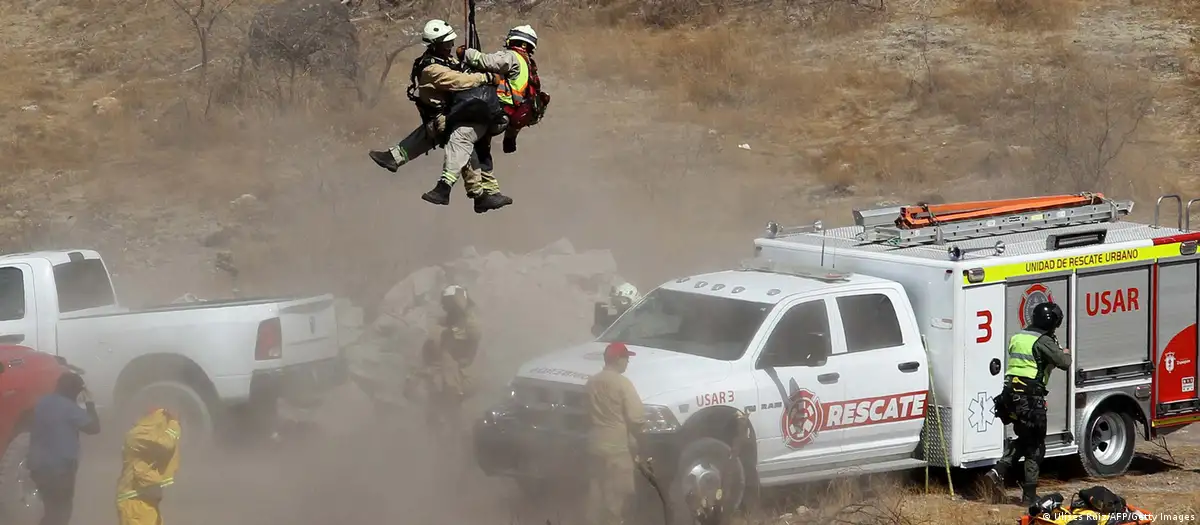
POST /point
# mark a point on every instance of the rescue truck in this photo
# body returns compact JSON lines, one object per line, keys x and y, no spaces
{"x":880,"y":346}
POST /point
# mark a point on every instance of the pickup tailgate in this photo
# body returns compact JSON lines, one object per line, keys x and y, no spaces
{"x":309,"y":329}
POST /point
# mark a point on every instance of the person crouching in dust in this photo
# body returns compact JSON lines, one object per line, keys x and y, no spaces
{"x":150,"y":459}
{"x":438,"y":80}
{"x":450,"y":349}
{"x":1032,"y":354}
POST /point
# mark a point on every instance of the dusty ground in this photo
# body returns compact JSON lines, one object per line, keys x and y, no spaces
{"x":839,"y":106}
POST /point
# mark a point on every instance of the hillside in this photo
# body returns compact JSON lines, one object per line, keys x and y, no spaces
{"x":677,"y":129}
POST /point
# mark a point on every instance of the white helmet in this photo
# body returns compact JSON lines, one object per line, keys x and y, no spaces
{"x":522,"y":34}
{"x":453,"y":290}
{"x":624,"y":294}
{"x":437,"y":31}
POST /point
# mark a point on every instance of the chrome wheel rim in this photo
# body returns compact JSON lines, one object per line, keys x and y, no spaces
{"x":1108,"y":439}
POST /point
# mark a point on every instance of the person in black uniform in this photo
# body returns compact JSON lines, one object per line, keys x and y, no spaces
{"x":1032,"y":354}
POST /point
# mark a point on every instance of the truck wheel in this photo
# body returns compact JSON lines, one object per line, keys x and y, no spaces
{"x":704,"y":467}
{"x":19,"y":503}
{"x":195,"y":418}
{"x":1108,"y":443}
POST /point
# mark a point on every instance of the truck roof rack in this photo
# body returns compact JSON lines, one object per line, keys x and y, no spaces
{"x":764,"y":264}
{"x":937,"y":223}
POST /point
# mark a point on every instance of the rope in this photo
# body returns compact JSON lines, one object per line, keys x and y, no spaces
{"x":941,"y":435}
{"x":469,"y":21}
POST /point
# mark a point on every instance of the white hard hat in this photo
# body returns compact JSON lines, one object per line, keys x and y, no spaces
{"x":437,"y":31}
{"x":522,"y":34}
{"x":625,"y":293}
{"x":453,"y":290}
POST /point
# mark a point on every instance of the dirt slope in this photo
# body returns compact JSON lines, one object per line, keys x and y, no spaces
{"x":836,"y":105}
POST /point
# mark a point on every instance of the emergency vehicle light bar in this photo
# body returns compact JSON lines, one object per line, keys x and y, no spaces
{"x":763,"y":264}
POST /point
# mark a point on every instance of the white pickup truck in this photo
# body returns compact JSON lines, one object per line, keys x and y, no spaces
{"x":875,"y":348}
{"x":211,"y":360}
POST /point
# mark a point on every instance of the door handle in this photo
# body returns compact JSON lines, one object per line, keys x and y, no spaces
{"x":12,"y":339}
{"x":910,"y":366}
{"x":828,"y":379}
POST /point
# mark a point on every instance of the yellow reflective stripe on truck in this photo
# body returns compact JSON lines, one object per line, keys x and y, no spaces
{"x":1001,"y":272}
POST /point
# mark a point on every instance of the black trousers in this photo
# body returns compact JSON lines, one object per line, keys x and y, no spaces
{"x":1030,"y":428}
{"x":56,"y":487}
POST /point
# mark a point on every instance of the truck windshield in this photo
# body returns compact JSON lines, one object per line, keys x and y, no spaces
{"x":690,"y":323}
{"x":82,"y":284}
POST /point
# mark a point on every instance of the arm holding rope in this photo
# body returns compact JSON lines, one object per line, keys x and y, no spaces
{"x":443,"y":78}
{"x":504,"y":62}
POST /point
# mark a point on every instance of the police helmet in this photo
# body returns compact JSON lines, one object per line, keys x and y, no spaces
{"x":1047,"y":316}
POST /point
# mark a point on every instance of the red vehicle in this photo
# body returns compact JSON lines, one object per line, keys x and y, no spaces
{"x":25,"y":376}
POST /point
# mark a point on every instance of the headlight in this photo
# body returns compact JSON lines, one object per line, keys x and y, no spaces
{"x":660,"y":420}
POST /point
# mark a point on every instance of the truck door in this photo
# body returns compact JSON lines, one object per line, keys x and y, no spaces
{"x":886,"y":382}
{"x":794,"y":389}
{"x":1022,"y":296}
{"x":983,"y":374}
{"x":18,"y":307}
{"x":1176,"y":343}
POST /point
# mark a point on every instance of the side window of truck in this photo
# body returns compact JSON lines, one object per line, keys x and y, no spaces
{"x":12,"y":294}
{"x":870,"y":322}
{"x":801,"y":338}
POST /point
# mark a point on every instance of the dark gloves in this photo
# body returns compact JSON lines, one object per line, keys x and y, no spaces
{"x":510,"y":143}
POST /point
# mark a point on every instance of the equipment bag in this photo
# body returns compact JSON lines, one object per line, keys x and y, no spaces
{"x":478,"y":105}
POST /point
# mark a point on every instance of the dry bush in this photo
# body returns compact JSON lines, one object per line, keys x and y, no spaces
{"x":1024,"y":14}
{"x":1082,"y":120}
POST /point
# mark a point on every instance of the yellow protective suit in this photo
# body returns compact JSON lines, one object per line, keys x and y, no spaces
{"x":149,"y":459}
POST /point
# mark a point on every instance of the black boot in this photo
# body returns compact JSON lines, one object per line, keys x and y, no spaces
{"x":440,"y":194}
{"x":491,"y":202}
{"x":994,"y":486}
{"x":1029,"y":495}
{"x":385,"y":160}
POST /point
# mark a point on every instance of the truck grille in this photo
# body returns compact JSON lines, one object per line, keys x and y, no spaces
{"x":552,"y":407}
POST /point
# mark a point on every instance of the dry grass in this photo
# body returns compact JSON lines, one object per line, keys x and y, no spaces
{"x":1043,"y":15}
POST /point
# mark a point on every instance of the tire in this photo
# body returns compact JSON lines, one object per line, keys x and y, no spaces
{"x":19,"y":504}
{"x":1108,"y":444}
{"x":700,"y":468}
{"x":195,"y":416}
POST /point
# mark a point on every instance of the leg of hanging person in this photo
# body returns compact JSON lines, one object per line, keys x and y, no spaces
{"x":417,"y":143}
{"x":459,"y":149}
{"x":486,"y":188}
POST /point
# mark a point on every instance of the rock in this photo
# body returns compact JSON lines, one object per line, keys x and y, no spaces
{"x":106,"y":105}
{"x":527,"y":304}
{"x":245,"y":200}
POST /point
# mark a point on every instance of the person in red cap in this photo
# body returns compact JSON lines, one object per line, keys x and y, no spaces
{"x":617,"y":416}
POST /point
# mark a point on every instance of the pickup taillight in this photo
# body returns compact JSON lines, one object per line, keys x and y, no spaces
{"x":270,"y":340}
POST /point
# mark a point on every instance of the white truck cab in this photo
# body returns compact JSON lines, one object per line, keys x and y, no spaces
{"x":205,"y":359}
{"x":880,"y":346}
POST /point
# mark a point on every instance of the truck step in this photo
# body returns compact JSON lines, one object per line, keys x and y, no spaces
{"x":789,"y":477}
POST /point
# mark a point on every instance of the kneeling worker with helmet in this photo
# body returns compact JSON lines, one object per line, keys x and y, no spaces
{"x":1032,"y":354}
{"x":453,"y":116}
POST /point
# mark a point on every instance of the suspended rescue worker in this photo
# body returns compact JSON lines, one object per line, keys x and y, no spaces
{"x":616,"y":417}
{"x":1032,"y":354}
{"x":620,"y":298}
{"x":457,"y":110}
{"x":519,"y":89}
{"x":150,"y":459}
{"x":448,"y":352}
